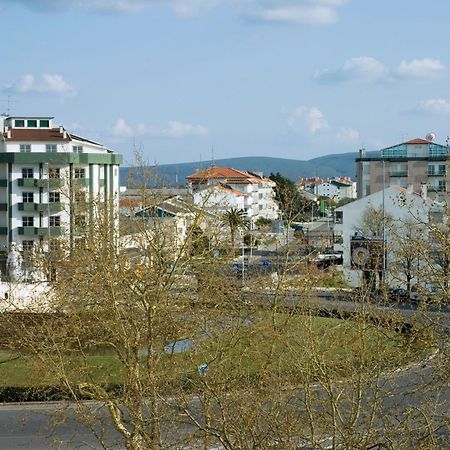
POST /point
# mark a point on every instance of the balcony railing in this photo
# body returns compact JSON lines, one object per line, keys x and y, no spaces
{"x":41,"y":207}
{"x":50,"y":183}
{"x":41,"y":231}
{"x":436,"y":173}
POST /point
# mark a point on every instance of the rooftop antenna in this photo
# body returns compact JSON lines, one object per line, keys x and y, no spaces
{"x":9,"y":101}
{"x":430,"y":137}
{"x":213,"y":164}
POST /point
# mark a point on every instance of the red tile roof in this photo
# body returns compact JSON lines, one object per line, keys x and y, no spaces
{"x":44,"y":135}
{"x":232,"y":176}
{"x":417,"y":141}
{"x":218,"y":172}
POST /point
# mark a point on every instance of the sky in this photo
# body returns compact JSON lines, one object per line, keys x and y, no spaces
{"x":188,"y":80}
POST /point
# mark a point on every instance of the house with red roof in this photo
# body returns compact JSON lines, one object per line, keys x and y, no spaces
{"x":222,"y":188}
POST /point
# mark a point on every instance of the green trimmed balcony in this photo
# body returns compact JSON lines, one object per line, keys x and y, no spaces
{"x":27,"y":182}
{"x":28,"y":231}
{"x":81,"y":182}
{"x":45,"y":183}
{"x":28,"y":207}
{"x":51,"y":231}
{"x":50,"y":183}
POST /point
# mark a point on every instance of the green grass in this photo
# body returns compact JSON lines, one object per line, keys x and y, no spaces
{"x":281,"y":346}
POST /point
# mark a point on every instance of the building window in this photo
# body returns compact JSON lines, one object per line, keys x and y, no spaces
{"x":25,"y":148}
{"x":44,"y":123}
{"x":55,"y":221}
{"x":80,"y":173}
{"x":27,"y":173}
{"x":54,"y":197}
{"x":77,"y":149}
{"x":54,"y":172}
{"x":32,"y":123}
{"x":19,"y":123}
{"x":28,"y":221}
{"x":51,"y":148}
{"x":27,"y":197}
{"x":27,"y":246}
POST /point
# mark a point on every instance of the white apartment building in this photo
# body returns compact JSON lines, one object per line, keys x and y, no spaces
{"x":49,"y":181}
{"x":221,"y":188}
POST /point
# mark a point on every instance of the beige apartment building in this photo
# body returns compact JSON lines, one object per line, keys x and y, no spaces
{"x":419,"y":163}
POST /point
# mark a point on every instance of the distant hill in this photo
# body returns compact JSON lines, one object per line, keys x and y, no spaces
{"x":341,"y":164}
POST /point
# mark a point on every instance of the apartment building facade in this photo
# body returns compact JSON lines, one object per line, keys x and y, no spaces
{"x":222,"y":188}
{"x":50,"y":180}
{"x":420,"y":163}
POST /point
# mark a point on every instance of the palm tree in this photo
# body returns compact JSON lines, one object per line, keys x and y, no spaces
{"x":235,"y":219}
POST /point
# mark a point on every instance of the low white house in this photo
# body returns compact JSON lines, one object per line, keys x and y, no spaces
{"x":221,"y":188}
{"x":401,"y":206}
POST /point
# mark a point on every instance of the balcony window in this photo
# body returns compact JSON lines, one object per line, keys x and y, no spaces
{"x":44,"y":123}
{"x":19,"y":123}
{"x":28,"y":221}
{"x":55,"y":221}
{"x":25,"y":148}
{"x":27,"y":197}
{"x":51,"y":148}
{"x":54,"y":172}
{"x":79,"y":173}
{"x":54,"y":197}
{"x":27,"y":246}
{"x":32,"y":123}
{"x":27,"y":173}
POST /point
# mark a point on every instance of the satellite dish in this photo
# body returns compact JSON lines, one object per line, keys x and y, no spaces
{"x":430,"y":137}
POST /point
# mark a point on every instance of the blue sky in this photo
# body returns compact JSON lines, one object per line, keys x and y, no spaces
{"x":176,"y":78}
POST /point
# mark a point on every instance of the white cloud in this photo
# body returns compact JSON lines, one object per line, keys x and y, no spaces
{"x":173,"y":129}
{"x":434,"y":106}
{"x":360,"y":69}
{"x":179,"y":129}
{"x":347,"y":135}
{"x":298,"y":14}
{"x":425,"y":68}
{"x":49,"y":84}
{"x":365,"y":69}
{"x":191,"y":8}
{"x":312,"y":118}
{"x":315,"y":12}
{"x":120,"y":6}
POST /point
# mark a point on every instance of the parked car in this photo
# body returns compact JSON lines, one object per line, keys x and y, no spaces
{"x":398,"y":295}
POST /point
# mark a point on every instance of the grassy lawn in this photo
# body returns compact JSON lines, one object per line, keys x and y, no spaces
{"x":265,"y":347}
